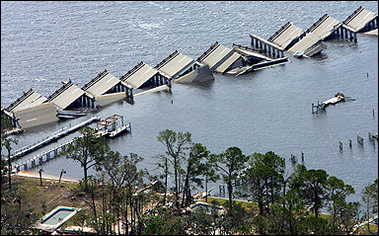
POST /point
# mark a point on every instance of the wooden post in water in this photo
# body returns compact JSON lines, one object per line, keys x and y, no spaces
{"x":360,"y":140}
{"x":350,"y":143}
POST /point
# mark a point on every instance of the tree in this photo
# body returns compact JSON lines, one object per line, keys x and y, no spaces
{"x":16,"y":216}
{"x":40,"y":176}
{"x":370,"y":198}
{"x":194,"y":169}
{"x":176,"y":144}
{"x":201,"y":222}
{"x":88,"y":150}
{"x":60,"y":176}
{"x":7,"y":143}
{"x":231,"y":163}
{"x":125,"y":188}
{"x":161,"y":222}
{"x":310,"y":184}
{"x":122,"y":171}
{"x":316,"y":225}
{"x":348,"y":217}
{"x":265,"y":178}
{"x":163,"y":163}
{"x":336,"y":193}
{"x":210,"y":174}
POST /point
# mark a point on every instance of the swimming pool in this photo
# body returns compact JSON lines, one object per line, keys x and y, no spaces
{"x":55,"y":218}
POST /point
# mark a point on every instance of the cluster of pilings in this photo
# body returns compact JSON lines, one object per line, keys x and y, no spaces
{"x":360,"y":141}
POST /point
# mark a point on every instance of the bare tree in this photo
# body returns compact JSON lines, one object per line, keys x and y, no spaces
{"x":176,"y":144}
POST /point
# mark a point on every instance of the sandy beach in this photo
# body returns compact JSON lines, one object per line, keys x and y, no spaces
{"x":33,"y":174}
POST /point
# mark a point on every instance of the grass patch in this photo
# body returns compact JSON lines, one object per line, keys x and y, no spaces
{"x":246,"y":205}
{"x":42,"y":199}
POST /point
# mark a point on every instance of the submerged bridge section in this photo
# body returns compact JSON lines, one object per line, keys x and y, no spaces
{"x":361,"y":20}
{"x":176,"y":65}
{"x":286,"y":36}
{"x":28,"y":99}
{"x":216,"y":55}
{"x":42,"y":157}
{"x":311,"y":41}
{"x":71,"y":96}
{"x":143,"y":75}
{"x":30,"y":109}
{"x":106,"y":83}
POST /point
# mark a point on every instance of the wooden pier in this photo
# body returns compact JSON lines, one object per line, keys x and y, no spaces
{"x":23,"y":151}
{"x":107,"y":128}
{"x":42,"y":157}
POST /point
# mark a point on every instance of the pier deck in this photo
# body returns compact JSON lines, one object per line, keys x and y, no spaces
{"x":25,"y":150}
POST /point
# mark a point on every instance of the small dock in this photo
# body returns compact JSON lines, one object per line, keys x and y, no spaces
{"x":112,"y":126}
{"x":25,"y":150}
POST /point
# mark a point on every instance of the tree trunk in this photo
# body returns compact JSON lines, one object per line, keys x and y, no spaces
{"x":166,"y":182}
{"x":40,"y":178}
{"x":284,"y":194}
{"x":176,"y":184}
{"x":230,"y":193}
{"x":186,"y":186}
{"x":260,"y":204}
{"x":9,"y":169}
{"x":272,"y":191}
{"x":206,"y":188}
{"x":85,"y":177}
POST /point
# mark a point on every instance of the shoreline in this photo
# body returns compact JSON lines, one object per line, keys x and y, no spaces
{"x":33,"y":174}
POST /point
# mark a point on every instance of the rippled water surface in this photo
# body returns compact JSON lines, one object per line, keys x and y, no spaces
{"x":43,"y":43}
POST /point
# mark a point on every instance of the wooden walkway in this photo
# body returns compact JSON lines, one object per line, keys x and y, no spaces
{"x":42,"y":157}
{"x":25,"y":150}
{"x":56,"y":151}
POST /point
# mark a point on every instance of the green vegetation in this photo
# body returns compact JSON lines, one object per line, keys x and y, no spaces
{"x":122,"y":199}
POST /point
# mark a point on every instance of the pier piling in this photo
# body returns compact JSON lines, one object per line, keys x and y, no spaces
{"x":360,"y":140}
